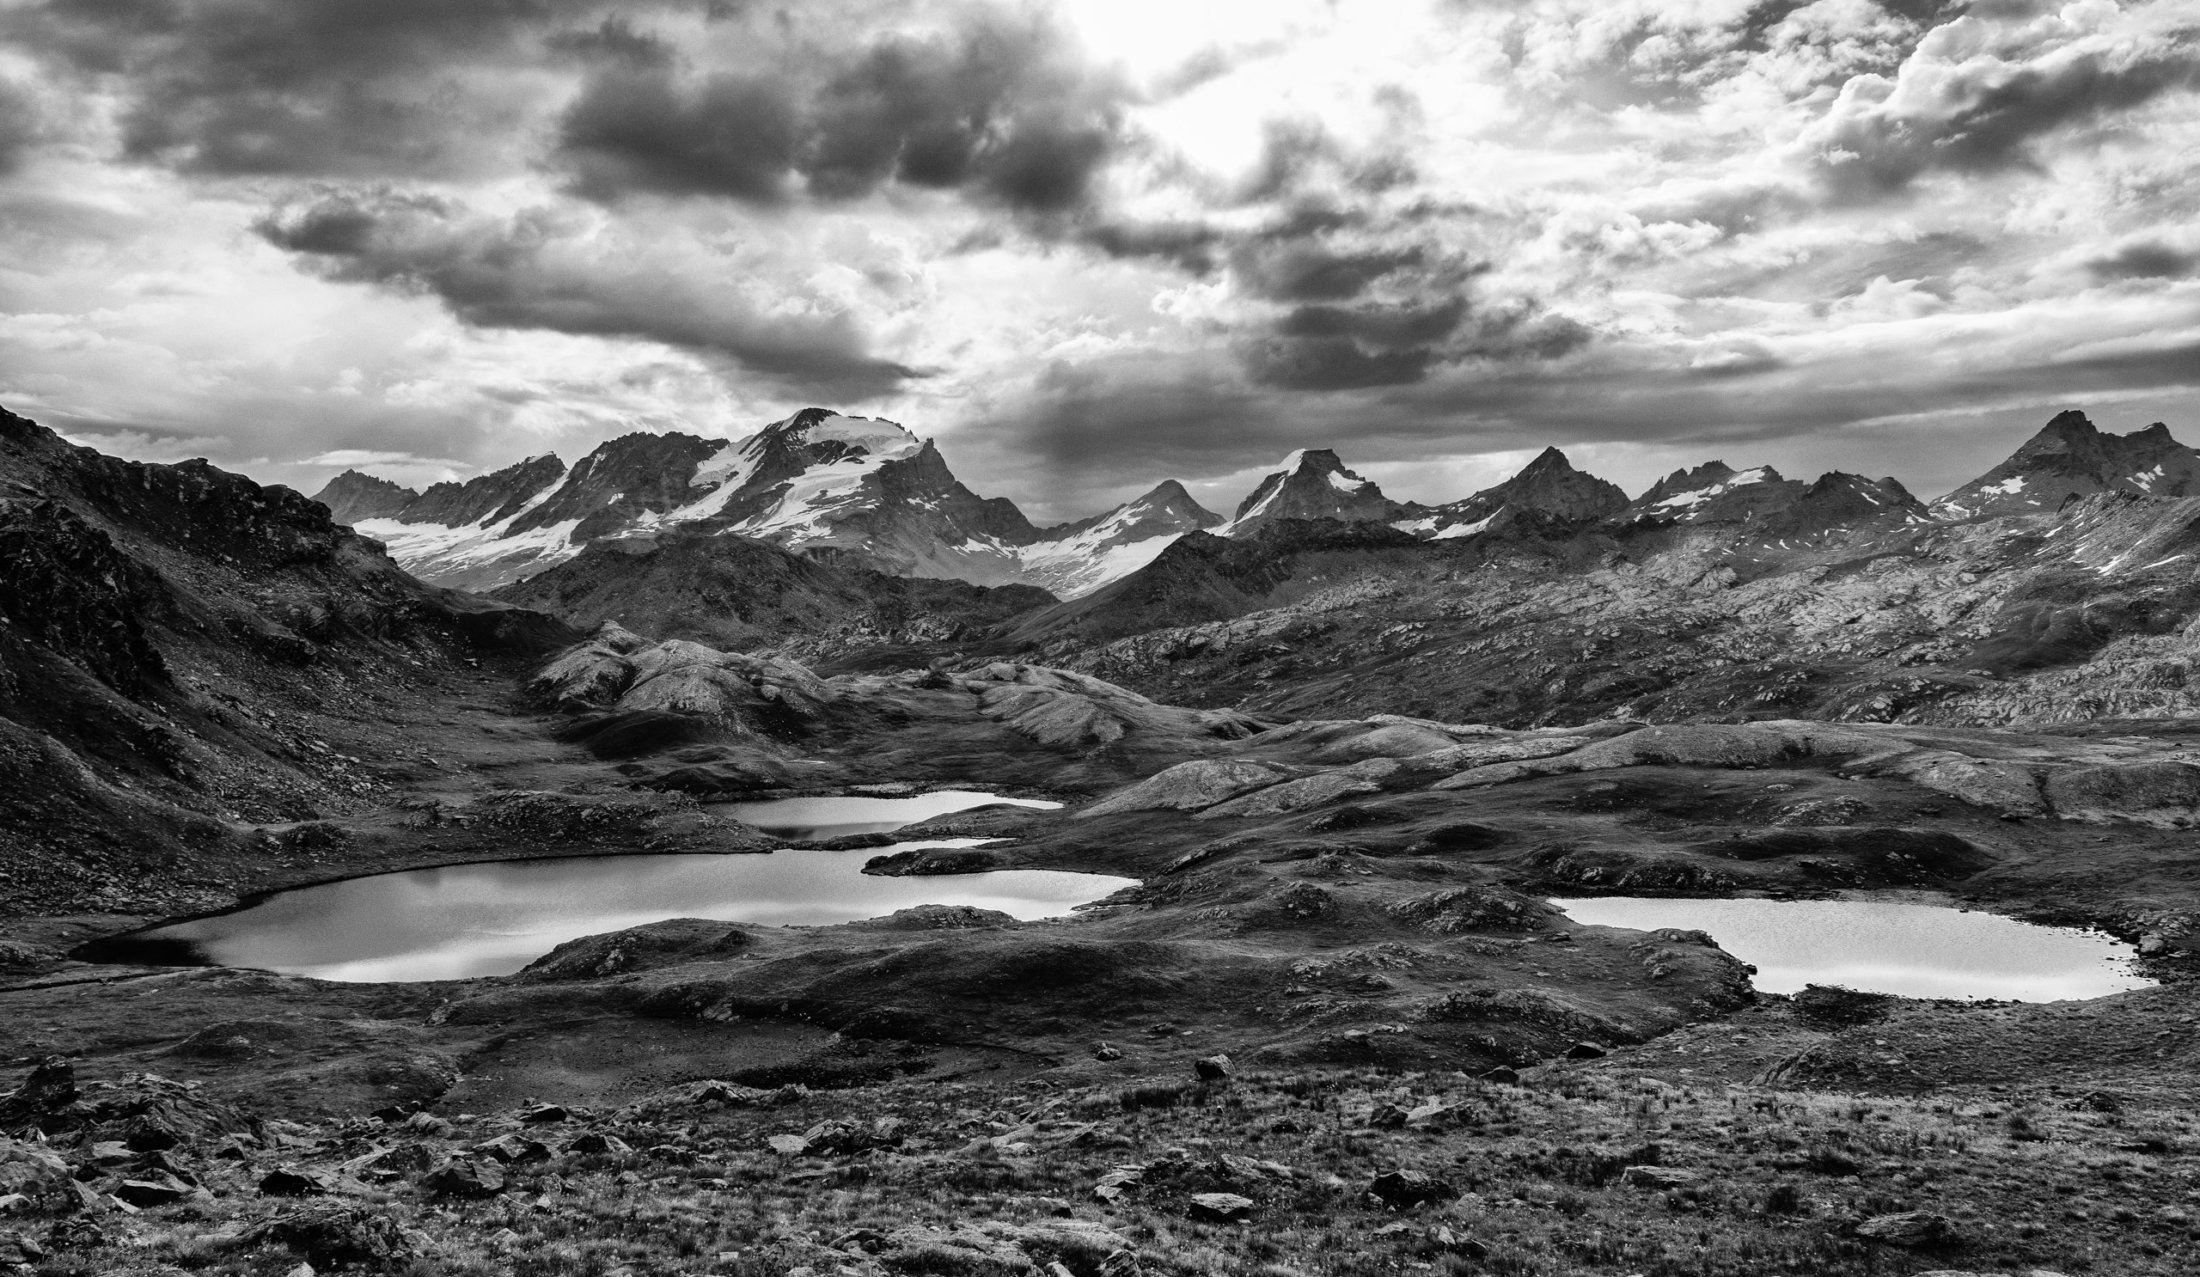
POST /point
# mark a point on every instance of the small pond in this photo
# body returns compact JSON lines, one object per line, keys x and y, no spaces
{"x":461,"y":921}
{"x":805,"y":819}
{"x":1912,"y":950}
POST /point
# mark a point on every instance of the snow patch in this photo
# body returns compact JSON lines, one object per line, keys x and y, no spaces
{"x":1458,"y":530}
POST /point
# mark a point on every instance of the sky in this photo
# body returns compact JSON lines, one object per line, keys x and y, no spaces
{"x":1091,"y":244}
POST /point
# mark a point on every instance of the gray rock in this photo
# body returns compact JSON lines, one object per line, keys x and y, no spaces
{"x":457,"y":1178}
{"x":1212,"y":1068}
{"x":1658,"y":1177}
{"x":1906,"y":1228}
{"x":1221,"y":1208}
{"x":1402,"y":1188}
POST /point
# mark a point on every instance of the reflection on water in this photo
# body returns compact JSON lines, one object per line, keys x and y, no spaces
{"x":1916,"y":951}
{"x":493,"y":919}
{"x":808,"y":818}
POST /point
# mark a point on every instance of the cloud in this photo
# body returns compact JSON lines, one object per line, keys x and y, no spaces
{"x":2147,"y":257}
{"x":1085,"y":248}
{"x":357,"y":88}
{"x":1978,"y":94}
{"x":542,"y":269}
{"x":1000,"y":108}
{"x":348,"y":458}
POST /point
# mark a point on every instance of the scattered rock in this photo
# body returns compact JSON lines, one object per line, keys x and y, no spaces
{"x":157,"y":1189}
{"x":1403,"y":1188}
{"x":286,"y":1182}
{"x":596,"y":1143}
{"x":337,"y":1235}
{"x":1906,"y":1228}
{"x":544,"y":1113}
{"x":458,"y":1178}
{"x":1221,"y":1208}
{"x":1658,"y":1176}
{"x":1106,"y":1052}
{"x":1119,"y":1183}
{"x":514,"y":1149}
{"x":50,"y":1088}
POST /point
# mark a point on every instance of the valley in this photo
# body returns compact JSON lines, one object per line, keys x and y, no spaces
{"x":1350,"y":762}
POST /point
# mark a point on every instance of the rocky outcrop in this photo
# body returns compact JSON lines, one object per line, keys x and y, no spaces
{"x":2071,"y":457}
{"x":1311,"y":484}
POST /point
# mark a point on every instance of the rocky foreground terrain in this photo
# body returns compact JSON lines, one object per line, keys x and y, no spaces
{"x":1339,"y":1024}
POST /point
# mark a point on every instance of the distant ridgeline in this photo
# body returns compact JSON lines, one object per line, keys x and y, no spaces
{"x":882,"y":497}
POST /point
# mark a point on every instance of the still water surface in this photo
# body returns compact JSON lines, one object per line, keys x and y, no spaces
{"x":1916,"y":951}
{"x":492,"y":919}
{"x":803,"y":819}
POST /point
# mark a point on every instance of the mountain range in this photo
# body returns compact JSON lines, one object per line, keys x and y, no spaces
{"x":878,"y":497}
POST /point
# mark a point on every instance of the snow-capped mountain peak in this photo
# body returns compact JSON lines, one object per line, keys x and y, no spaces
{"x":1311,"y":483}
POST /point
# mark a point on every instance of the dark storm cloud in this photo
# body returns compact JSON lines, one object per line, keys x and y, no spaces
{"x":528,"y":272}
{"x":2144,"y":259}
{"x":304,"y":87}
{"x":1001,"y":109}
{"x":20,"y":126}
{"x":1986,"y":120}
{"x":729,"y":134}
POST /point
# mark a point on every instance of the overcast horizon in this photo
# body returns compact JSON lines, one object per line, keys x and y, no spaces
{"x":1091,"y":244}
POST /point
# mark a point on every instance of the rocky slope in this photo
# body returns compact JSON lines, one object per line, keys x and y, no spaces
{"x":1311,"y":484}
{"x":690,"y":581}
{"x":1547,"y":488}
{"x":178,"y":646}
{"x":2071,"y":457}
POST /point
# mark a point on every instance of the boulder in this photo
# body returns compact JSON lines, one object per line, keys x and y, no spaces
{"x":337,"y":1235}
{"x":1403,"y":1188}
{"x":1658,"y":1177}
{"x":1119,"y":1183}
{"x":513,"y":1149}
{"x":1221,"y":1208}
{"x":32,"y":1170}
{"x":157,"y":1189}
{"x":1502,"y":1073}
{"x":1213,"y":1068}
{"x":1585,"y":1051}
{"x":598,"y":1144}
{"x":50,"y":1088}
{"x":284,"y":1181}
{"x":1908,"y":1228}
{"x":464,"y":1178}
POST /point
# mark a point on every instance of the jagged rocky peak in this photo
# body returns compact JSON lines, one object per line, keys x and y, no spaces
{"x":1548,"y":489}
{"x":354,"y":496}
{"x":1714,"y":492}
{"x":2070,"y":456}
{"x":1312,"y":483}
{"x":488,"y":498}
